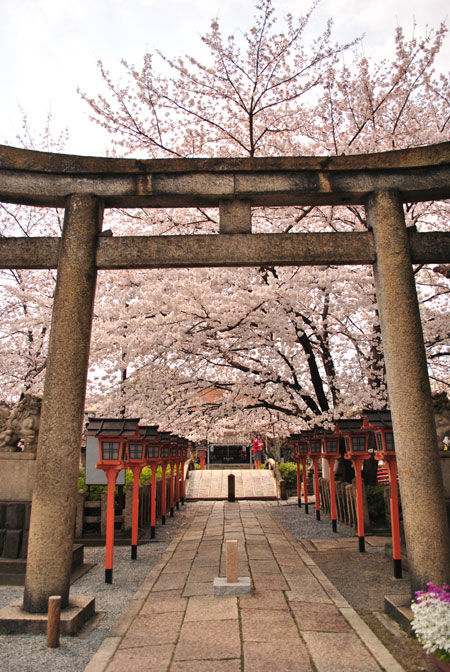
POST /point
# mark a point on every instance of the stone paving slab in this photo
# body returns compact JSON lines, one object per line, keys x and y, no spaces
{"x":295,"y":620}
{"x":263,"y":657}
{"x":345,"y":649}
{"x":215,"y":639}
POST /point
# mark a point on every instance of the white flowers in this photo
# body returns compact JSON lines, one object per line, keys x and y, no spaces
{"x":431,"y":622}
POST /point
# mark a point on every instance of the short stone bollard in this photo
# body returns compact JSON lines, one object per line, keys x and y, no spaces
{"x":54,"y":621}
{"x":231,"y":488}
{"x":232,"y":584}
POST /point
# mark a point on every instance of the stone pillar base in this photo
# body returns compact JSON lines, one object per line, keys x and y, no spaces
{"x":243,"y":586}
{"x":15,"y":620}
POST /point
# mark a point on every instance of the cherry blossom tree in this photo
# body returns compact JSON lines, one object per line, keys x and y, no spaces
{"x":203,"y":351}
{"x":27,"y":296}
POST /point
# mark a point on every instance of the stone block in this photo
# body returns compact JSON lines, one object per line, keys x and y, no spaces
{"x":11,"y":543}
{"x":15,"y":516}
{"x":24,"y":546}
{"x":18,"y":471}
{"x":26,"y":522}
{"x":2,"y":514}
{"x":242,"y":586}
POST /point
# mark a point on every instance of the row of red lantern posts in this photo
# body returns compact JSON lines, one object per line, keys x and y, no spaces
{"x":354,"y":435}
{"x":124,"y":444}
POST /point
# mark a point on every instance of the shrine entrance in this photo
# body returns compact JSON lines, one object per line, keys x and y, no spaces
{"x":84,"y":186}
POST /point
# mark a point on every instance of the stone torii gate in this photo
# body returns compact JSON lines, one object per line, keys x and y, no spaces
{"x":84,"y":186}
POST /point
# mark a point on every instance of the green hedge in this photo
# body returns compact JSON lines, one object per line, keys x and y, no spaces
{"x":375,"y":502}
{"x":95,"y":491}
{"x":288,"y":471}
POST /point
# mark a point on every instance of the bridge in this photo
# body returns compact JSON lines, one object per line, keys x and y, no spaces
{"x":212,"y":484}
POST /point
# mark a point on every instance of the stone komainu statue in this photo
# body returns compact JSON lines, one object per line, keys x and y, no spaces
{"x":441,"y":408}
{"x":19,"y":431}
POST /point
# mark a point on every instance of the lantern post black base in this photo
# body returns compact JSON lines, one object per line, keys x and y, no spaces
{"x":306,"y":508}
{"x":178,"y":506}
{"x":163,"y":520}
{"x":398,"y":568}
{"x":182,"y":501}
{"x":152,"y":532}
{"x":299,"y":503}
{"x":317,"y":514}
{"x":108,"y":575}
{"x":134,"y":552}
{"x":362,"y":545}
{"x":171,"y":512}
{"x":334,"y":525}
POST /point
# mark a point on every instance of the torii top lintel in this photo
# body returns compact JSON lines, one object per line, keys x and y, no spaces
{"x":46,"y":179}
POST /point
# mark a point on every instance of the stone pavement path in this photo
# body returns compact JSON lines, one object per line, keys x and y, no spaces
{"x":213,"y":484}
{"x":295,"y":620}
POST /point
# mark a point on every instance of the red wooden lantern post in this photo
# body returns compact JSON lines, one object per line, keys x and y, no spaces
{"x":135,"y":460}
{"x":172,"y":462}
{"x":357,"y":450}
{"x":164,"y":440}
{"x":112,"y":436}
{"x":303,"y":449}
{"x":380,"y":423}
{"x":185,"y":451}
{"x":295,"y":439}
{"x":315,"y":453}
{"x":149,"y":434}
{"x":330,"y":452}
{"x":153,"y":461}
{"x":178,"y":463}
{"x":300,"y":448}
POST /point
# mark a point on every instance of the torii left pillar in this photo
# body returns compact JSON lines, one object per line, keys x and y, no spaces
{"x":54,"y":497}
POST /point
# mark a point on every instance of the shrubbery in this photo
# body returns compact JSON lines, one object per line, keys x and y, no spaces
{"x":94,"y":491}
{"x":288,"y":471}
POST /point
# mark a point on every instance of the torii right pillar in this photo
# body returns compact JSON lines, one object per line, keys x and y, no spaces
{"x":421,"y":487}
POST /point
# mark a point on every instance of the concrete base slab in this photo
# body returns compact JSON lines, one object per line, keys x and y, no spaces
{"x":13,"y":619}
{"x":243,"y":586}
{"x":399,"y":608}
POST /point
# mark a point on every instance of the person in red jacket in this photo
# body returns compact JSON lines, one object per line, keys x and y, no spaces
{"x":257,"y":451}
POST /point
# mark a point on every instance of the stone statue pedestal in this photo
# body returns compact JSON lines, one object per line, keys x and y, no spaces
{"x":17,"y":474}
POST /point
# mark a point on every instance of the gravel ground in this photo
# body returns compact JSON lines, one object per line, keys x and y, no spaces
{"x":28,"y":653}
{"x":303,"y":526}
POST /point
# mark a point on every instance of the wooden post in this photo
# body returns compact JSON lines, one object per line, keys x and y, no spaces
{"x":135,"y":512}
{"x":53,"y":621}
{"x":163,"y":492}
{"x":331,"y":461}
{"x":153,"y":503}
{"x":305,"y":485}
{"x":232,"y":561}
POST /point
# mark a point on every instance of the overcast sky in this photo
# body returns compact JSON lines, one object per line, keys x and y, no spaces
{"x":48,"y":48}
